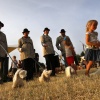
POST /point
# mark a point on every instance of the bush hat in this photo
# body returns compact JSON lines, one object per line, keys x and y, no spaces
{"x":1,"y":24}
{"x":46,"y":29}
{"x":25,"y":30}
{"x":62,"y":31}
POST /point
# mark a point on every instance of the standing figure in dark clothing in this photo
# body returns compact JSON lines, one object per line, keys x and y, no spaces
{"x":27,"y":54}
{"x":3,"y":55}
{"x":48,"y":50}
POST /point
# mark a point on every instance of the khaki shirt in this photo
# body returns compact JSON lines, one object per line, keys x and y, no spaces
{"x":60,"y":44}
{"x":46,"y":39}
{"x":26,"y":48}
{"x":3,"y":43}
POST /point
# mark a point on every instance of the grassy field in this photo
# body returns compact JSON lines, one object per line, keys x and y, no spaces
{"x":78,"y":87}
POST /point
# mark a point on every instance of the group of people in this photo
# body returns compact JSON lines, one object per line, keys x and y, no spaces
{"x":63,"y":43}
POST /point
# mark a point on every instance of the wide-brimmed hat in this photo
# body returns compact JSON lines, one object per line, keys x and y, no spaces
{"x":25,"y":30}
{"x":62,"y":31}
{"x":2,"y":25}
{"x":46,"y":29}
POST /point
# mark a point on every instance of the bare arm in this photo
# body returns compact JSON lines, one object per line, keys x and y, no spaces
{"x":91,"y":43}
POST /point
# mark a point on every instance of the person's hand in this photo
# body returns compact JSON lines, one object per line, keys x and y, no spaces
{"x":97,"y":44}
{"x":45,"y":45}
{"x":20,"y":49}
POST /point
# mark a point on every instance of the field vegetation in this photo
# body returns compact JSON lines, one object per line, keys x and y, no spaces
{"x":78,"y":87}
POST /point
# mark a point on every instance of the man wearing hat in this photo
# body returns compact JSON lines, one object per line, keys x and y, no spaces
{"x":48,"y":50}
{"x":60,"y":44}
{"x":27,"y":54}
{"x":3,"y":55}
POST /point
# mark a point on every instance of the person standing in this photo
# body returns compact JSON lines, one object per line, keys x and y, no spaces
{"x":48,"y":50}
{"x":92,"y":52}
{"x":3,"y":54}
{"x":27,"y":54}
{"x":60,"y":44}
{"x":69,"y":51}
{"x":14,"y":64}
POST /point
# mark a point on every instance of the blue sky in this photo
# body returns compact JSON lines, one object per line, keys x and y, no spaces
{"x":71,"y":15}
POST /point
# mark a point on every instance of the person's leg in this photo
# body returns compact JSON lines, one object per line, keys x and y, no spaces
{"x":37,"y":66}
{"x":34,"y":66}
{"x":1,"y":70}
{"x":74,"y":67}
{"x":88,"y":66}
{"x":29,"y":68}
{"x":76,"y":60}
{"x":64,"y":56}
{"x":47,"y":59}
{"x":72,"y":63}
{"x":52,"y":64}
{"x":5,"y":69}
{"x":26,"y":65}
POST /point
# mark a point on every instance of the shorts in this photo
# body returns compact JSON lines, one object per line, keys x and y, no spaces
{"x":70,"y":60}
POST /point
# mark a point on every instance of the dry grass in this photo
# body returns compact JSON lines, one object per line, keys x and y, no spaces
{"x":59,"y":88}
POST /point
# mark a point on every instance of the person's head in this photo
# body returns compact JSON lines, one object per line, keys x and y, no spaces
{"x":62,"y":32}
{"x":25,"y":32}
{"x":91,"y":25}
{"x":46,"y":30}
{"x":1,"y":25}
{"x":14,"y":57}
{"x":66,"y":42}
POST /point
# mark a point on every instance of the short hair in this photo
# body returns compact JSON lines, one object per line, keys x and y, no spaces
{"x":14,"y":56}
